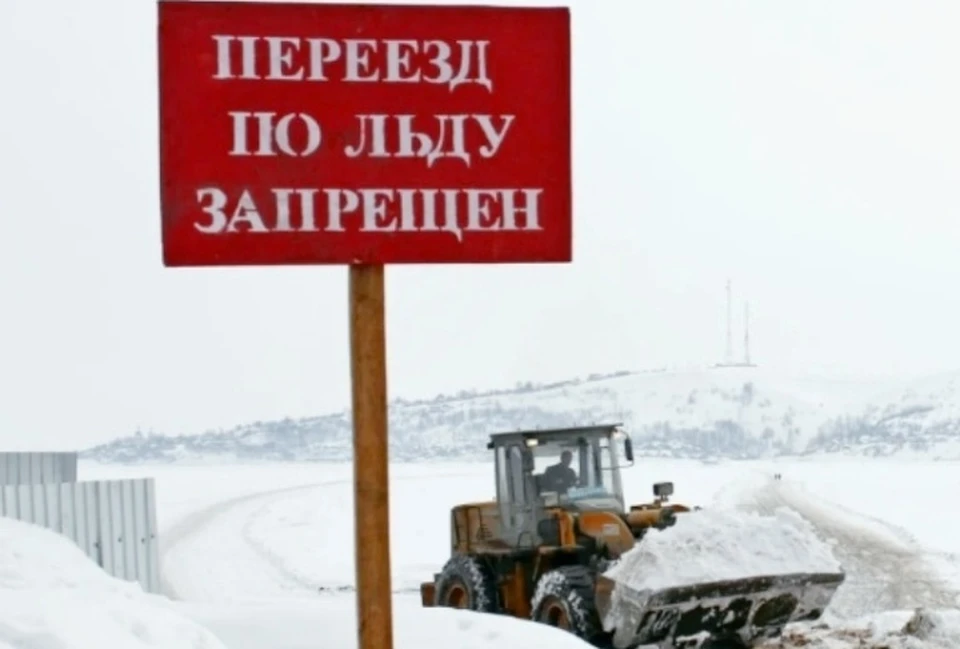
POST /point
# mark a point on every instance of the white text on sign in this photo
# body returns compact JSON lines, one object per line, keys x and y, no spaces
{"x":287,"y":58}
{"x":380,"y":136}
{"x":428,"y":145}
{"x":454,"y":211}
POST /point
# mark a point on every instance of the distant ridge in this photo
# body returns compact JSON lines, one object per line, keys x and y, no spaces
{"x":738,"y":412}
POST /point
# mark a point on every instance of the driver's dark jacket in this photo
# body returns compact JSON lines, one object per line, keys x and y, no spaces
{"x":558,"y":478}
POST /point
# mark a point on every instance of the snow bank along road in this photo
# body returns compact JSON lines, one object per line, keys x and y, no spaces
{"x":886,"y":568}
{"x":215,"y":555}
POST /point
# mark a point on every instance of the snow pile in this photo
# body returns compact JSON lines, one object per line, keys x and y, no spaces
{"x":330,"y":623}
{"x":937,"y":628}
{"x":713,"y":545}
{"x":54,"y":597}
{"x":923,"y":629}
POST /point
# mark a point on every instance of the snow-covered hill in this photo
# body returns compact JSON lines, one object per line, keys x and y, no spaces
{"x":919,"y":418}
{"x":737,"y":412}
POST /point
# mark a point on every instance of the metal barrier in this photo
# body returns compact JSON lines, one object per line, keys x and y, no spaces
{"x":113,"y":521}
{"x":37,"y":468}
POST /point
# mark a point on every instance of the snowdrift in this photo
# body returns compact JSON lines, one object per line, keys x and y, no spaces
{"x":721,"y":544}
{"x":922,"y":629}
{"x":53,"y":596}
{"x":330,"y":623}
{"x":718,"y":572}
{"x":715,"y":545}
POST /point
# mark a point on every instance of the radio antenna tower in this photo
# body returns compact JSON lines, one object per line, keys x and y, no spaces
{"x":746,"y":333}
{"x":729,"y":360}
{"x":729,"y":356}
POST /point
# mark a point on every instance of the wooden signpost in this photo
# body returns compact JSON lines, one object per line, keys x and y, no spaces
{"x":364,"y":135}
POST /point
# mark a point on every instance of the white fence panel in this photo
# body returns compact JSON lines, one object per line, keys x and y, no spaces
{"x":37,"y":468}
{"x":113,"y":521}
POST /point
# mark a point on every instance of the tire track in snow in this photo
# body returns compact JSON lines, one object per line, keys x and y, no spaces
{"x":882,"y":573}
{"x":277,"y":562}
{"x":245,"y":554}
{"x":198,"y":523}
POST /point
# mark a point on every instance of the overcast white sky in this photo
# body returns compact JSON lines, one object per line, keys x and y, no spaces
{"x":808,"y":150}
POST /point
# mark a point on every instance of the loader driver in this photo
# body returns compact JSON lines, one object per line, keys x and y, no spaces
{"x":559,"y":477}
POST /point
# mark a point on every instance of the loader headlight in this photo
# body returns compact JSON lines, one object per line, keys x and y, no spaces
{"x":663,"y":489}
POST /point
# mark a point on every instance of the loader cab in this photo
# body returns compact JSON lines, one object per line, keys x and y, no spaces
{"x":577,"y":469}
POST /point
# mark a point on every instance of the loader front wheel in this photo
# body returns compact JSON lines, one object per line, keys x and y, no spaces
{"x":466,"y":583}
{"x":564,"y":598}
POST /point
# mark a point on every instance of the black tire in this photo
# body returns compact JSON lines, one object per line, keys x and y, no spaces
{"x":467,"y":583}
{"x":565,"y":598}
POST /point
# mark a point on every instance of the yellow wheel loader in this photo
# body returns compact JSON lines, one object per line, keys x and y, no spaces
{"x":540,"y":551}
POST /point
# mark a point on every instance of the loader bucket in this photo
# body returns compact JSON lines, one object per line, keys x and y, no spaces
{"x":750,"y":609}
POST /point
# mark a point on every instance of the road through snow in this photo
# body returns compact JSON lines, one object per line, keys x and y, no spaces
{"x":211,"y":556}
{"x":205,"y":551}
{"x":218,"y":555}
{"x":886,"y":569}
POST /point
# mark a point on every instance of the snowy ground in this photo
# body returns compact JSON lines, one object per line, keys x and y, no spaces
{"x":54,"y":597}
{"x":263,"y":554}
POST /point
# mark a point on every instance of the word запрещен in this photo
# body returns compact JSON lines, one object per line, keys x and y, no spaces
{"x":375,"y":209}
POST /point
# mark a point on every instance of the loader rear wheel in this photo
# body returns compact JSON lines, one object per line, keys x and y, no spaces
{"x":564,"y":598}
{"x":465,"y":582}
